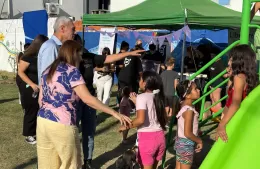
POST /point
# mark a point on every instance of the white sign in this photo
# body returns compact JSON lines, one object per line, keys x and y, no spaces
{"x":107,"y":39}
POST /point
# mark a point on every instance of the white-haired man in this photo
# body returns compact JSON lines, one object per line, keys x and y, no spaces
{"x":64,"y":29}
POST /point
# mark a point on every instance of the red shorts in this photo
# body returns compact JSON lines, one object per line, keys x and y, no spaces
{"x":151,"y":147}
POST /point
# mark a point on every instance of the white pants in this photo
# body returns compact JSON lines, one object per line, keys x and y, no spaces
{"x":104,"y":84}
{"x":95,"y":78}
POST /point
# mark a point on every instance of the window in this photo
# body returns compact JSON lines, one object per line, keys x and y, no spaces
{"x":104,"y":4}
{"x":224,"y":2}
{"x":53,"y":1}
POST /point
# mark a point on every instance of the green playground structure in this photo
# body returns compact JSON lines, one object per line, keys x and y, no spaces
{"x":242,"y":151}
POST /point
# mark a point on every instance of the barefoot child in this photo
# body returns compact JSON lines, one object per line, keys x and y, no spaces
{"x":150,"y":120}
{"x":243,"y":79}
{"x":188,"y":122}
{"x":125,"y":108}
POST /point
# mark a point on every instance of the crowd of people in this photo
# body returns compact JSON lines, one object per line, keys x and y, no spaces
{"x":55,"y":81}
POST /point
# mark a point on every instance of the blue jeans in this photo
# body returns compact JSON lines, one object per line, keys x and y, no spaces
{"x":87,"y":116}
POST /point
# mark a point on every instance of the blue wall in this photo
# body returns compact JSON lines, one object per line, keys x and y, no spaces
{"x":92,"y":40}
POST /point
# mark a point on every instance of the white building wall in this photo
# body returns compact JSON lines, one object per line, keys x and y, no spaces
{"x":73,"y":8}
{"x":14,"y":37}
{"x":235,"y":5}
{"x":118,"y":5}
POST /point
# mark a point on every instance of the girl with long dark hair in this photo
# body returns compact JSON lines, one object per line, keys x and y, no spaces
{"x":150,"y":121}
{"x":243,"y":79}
{"x":27,"y":71}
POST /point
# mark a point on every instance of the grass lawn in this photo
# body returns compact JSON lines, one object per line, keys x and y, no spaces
{"x":16,"y":154}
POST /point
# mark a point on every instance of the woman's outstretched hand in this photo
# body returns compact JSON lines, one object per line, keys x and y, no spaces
{"x":136,"y":52}
{"x":124,"y":120}
{"x":221,"y":132}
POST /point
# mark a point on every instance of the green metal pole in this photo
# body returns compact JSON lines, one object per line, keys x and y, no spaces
{"x":244,"y":33}
{"x":215,"y":59}
{"x":209,"y":92}
{"x":168,"y":141}
{"x":205,"y":91}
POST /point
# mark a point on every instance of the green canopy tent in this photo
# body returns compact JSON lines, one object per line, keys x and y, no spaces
{"x":170,"y":14}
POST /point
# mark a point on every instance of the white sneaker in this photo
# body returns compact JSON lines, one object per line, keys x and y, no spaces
{"x":30,"y":140}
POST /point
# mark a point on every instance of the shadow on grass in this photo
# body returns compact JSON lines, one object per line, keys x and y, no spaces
{"x":33,"y":161}
{"x":102,"y":130}
{"x":116,"y":152}
{"x":114,"y":93}
{"x":105,"y":128}
{"x":101,"y":117}
{"x":7,"y":100}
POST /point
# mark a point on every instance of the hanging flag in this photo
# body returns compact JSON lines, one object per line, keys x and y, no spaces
{"x":125,"y":34}
{"x":154,"y":34}
{"x":177,"y":34}
{"x":169,"y":37}
{"x":136,"y":35}
{"x":161,"y":40}
{"x":110,"y":34}
{"x":145,"y":38}
{"x":154,"y":40}
{"x":187,"y":31}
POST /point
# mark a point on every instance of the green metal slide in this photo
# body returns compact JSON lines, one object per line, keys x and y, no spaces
{"x":241,"y":151}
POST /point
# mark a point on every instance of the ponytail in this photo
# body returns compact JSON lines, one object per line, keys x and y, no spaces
{"x":154,"y":83}
{"x":160,"y":107}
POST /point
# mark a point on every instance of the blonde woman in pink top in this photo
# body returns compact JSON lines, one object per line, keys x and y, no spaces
{"x":151,"y":119}
{"x":188,"y":122}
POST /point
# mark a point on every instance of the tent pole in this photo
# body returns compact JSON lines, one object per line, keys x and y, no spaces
{"x":83,"y":36}
{"x":183,"y":47}
{"x":183,"y":56}
{"x":169,"y":135}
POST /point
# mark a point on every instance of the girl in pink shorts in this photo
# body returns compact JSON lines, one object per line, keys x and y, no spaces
{"x":150,"y":120}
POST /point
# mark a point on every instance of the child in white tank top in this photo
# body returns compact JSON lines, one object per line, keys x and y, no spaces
{"x":188,"y":123}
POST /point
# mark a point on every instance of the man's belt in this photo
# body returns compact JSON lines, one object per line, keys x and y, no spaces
{"x":104,"y":73}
